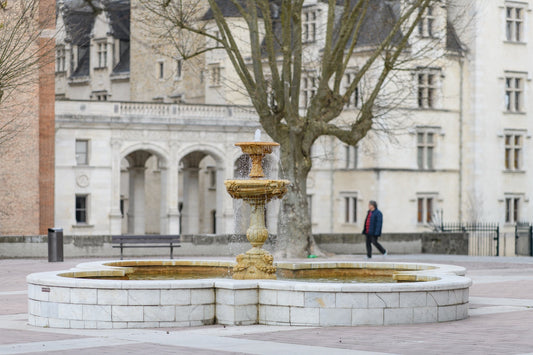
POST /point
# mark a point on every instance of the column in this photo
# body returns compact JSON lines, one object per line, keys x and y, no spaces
{"x":172,"y":192}
{"x":163,"y":207}
{"x":136,"y":220}
{"x":226,"y":215}
{"x":191,"y":207}
{"x":115,"y":216}
{"x":220,"y":192}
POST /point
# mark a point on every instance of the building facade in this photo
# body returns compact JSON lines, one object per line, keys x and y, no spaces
{"x":455,"y":148}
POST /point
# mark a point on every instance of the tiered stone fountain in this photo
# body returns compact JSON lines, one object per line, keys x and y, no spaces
{"x":256,"y":263}
{"x":178,"y":293}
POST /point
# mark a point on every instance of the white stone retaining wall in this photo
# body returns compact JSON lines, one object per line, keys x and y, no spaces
{"x":62,"y":302}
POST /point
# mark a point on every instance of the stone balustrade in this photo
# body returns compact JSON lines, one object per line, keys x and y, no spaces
{"x":153,"y":111}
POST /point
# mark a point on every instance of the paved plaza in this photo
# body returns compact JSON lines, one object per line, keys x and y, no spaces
{"x":500,"y":322}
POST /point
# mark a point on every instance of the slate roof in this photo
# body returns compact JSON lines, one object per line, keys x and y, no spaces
{"x":227,"y":7}
{"x":84,"y":63}
{"x":119,"y":14}
{"x":79,"y":25}
{"x":79,"y":21}
{"x":453,"y":43}
{"x":123,"y":66}
{"x":377,"y":24}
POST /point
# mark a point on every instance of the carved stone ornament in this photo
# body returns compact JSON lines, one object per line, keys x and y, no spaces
{"x":82,"y":180}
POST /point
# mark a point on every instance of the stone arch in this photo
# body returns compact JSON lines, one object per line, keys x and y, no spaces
{"x":208,"y":149}
{"x":143,"y":188}
{"x":201,"y":175}
{"x":154,"y":149}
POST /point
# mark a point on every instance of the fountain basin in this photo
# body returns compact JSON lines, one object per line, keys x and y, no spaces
{"x":256,"y":190}
{"x":441,"y":294}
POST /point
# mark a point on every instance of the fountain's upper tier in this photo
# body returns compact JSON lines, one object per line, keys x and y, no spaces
{"x":256,"y":151}
{"x":258,"y":191}
{"x":257,"y":148}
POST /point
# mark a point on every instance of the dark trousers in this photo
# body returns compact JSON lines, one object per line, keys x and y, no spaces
{"x":372,"y":239}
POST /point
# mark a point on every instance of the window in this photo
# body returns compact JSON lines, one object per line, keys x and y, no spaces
{"x":215,"y":75}
{"x":82,"y":151}
{"x":310,"y":206}
{"x":212,"y":173}
{"x":309,"y":26}
{"x":350,"y":157}
{"x":179,"y":69}
{"x":514,"y":94}
{"x":101,"y":97}
{"x":425,"y":147}
{"x":213,"y":221}
{"x":160,"y":70}
{"x":425,"y":208}
{"x":512,"y":209}
{"x":354,"y":99}
{"x":427,"y":89}
{"x":102,"y":54}
{"x":308,"y":89}
{"x":81,"y":209}
{"x":350,"y":208}
{"x":514,"y":23}
{"x":122,"y":203}
{"x":513,"y":151}
{"x":73,"y":59}
{"x":60,"y":59}
{"x":426,"y":24}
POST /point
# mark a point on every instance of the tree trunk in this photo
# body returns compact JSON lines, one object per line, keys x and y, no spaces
{"x":294,"y":226}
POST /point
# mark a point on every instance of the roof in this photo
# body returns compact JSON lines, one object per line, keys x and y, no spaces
{"x":227,"y":7}
{"x":453,"y":43}
{"x":123,"y":66}
{"x":378,"y":23}
{"x":119,"y":16}
{"x":79,"y":25}
{"x":84,"y":62}
{"x":79,"y":20}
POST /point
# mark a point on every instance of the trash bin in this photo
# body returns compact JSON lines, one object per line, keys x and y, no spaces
{"x":55,"y":244}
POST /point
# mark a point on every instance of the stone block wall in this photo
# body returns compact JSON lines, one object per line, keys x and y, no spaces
{"x":231,"y":245}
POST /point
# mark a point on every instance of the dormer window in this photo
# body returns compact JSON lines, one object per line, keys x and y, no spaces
{"x":102,"y":54}
{"x":309,"y":26}
{"x":60,"y":59}
{"x":426,"y":26}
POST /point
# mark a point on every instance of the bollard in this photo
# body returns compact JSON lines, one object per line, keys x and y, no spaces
{"x":55,"y":244}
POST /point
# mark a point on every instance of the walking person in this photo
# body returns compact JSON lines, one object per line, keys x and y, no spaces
{"x":372,"y":229}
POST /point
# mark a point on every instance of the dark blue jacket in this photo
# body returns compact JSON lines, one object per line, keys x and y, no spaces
{"x":376,"y":222}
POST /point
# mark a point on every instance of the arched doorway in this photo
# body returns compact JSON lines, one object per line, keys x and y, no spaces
{"x":142,"y":193}
{"x":199,"y":181}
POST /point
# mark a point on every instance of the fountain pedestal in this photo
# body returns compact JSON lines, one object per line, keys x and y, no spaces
{"x":256,"y":263}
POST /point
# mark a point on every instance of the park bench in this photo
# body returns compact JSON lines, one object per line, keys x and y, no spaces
{"x":146,"y":241}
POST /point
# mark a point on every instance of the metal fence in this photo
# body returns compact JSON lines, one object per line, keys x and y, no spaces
{"x":524,"y":239}
{"x":483,"y":238}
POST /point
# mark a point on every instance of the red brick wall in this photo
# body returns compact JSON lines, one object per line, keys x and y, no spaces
{"x":27,"y":160}
{"x":46,"y":120}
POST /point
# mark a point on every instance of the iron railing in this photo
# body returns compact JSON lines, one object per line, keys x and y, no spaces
{"x":523,"y":239}
{"x":483,"y":238}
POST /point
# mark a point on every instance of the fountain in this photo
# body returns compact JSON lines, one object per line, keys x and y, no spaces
{"x":256,"y":263}
{"x":184,"y":293}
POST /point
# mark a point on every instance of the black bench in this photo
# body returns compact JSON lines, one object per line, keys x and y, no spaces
{"x":146,"y":241}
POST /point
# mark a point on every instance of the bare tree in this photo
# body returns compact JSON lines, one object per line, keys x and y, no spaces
{"x":24,"y":48}
{"x":273,"y":63}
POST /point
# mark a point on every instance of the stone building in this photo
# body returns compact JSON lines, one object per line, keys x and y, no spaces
{"x":27,"y":157}
{"x":93,"y":51}
{"x":455,"y":146}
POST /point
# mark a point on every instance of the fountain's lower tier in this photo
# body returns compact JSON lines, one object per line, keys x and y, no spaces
{"x":96,"y":295}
